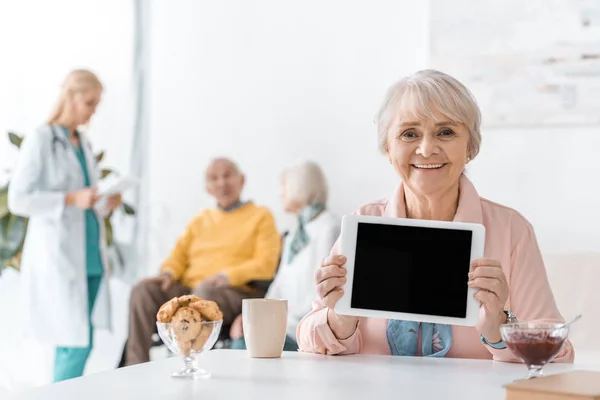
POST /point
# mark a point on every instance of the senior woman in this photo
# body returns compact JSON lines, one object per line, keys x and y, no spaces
{"x":303,"y":194}
{"x":429,"y":128}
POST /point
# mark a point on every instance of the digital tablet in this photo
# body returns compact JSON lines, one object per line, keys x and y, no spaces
{"x":409,"y":269}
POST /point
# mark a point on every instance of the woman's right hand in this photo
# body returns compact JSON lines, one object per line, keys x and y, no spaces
{"x":84,"y":198}
{"x":330,"y":278}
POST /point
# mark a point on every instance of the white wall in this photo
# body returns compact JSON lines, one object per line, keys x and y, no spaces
{"x":40,"y":42}
{"x":551,"y":176}
{"x":267,"y":82}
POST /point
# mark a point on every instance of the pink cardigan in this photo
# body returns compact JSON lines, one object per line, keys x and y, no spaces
{"x":509,"y":239}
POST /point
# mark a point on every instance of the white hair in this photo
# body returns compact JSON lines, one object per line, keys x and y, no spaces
{"x":305,"y":183}
{"x":419,"y":94}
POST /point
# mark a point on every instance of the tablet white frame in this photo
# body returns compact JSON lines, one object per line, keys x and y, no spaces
{"x":349,"y":230}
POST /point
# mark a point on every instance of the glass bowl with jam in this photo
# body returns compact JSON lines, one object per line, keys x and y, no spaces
{"x":535,"y":343}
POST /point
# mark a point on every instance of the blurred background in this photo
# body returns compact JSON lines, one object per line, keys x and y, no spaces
{"x":267,"y":82}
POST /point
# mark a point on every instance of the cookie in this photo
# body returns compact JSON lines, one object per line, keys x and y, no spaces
{"x":184,"y":347}
{"x":208,"y":309}
{"x":184,"y":301}
{"x":167,"y":310}
{"x":186,"y":324}
{"x":200,"y":341}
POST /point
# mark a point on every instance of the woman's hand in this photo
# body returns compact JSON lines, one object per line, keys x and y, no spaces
{"x":330,"y":278}
{"x":114,"y":201}
{"x":487,"y":276}
{"x":84,"y":198}
{"x":237,"y":328}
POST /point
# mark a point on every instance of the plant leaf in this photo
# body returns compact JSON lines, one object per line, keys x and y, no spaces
{"x":14,"y":229}
{"x":129,"y":210}
{"x":15,"y":139}
{"x":109,"y":231}
{"x":9,"y":225}
{"x":3,"y":201}
{"x":105,"y":173}
{"x":99,"y":156}
{"x":15,"y":261}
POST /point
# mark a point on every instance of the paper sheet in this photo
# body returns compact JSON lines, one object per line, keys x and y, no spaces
{"x":111,"y":186}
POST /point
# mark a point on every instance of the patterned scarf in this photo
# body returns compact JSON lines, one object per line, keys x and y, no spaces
{"x":300,"y":239}
{"x":402,"y":337}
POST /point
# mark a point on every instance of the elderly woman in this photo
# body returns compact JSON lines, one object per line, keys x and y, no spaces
{"x":303,"y":194}
{"x":429,"y":129}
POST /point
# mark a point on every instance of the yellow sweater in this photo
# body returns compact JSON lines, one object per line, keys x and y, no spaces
{"x":243,"y":244}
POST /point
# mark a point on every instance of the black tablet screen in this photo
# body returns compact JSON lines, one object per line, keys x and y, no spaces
{"x":411,"y":269}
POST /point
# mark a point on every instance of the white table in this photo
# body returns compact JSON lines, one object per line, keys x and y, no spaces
{"x":299,"y":376}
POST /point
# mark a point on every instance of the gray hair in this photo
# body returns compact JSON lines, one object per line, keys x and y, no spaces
{"x":419,"y":94}
{"x":305,"y":183}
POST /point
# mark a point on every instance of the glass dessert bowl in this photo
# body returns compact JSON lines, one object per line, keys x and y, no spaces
{"x":190,"y":341}
{"x":535,"y":344}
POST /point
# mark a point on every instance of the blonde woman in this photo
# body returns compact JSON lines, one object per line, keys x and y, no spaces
{"x":303,"y":194}
{"x":63,"y":260}
{"x":429,"y":129}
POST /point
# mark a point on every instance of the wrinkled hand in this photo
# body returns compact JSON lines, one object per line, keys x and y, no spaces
{"x":217,"y":281}
{"x":330,"y":278}
{"x":487,"y":276}
{"x":84,"y":198}
{"x":237,"y":328}
{"x":165,"y":280}
{"x":114,"y":201}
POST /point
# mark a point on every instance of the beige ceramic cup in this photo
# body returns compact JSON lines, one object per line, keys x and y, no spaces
{"x":265,"y":323}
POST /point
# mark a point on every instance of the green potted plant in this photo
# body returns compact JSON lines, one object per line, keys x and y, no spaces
{"x":13,"y":228}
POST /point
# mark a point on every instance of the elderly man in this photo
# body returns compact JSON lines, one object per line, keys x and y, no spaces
{"x":220,"y":252}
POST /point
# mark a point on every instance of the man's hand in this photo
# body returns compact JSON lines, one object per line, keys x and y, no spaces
{"x":165,"y":280}
{"x":217,"y":281}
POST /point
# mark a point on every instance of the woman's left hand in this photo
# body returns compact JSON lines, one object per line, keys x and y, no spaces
{"x":115,"y":201}
{"x":487,"y":276}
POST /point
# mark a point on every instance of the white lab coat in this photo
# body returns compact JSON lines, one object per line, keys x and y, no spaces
{"x":53,"y":265}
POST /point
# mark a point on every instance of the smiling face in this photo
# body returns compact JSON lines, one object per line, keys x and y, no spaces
{"x":429,"y":128}
{"x":429,"y":154}
{"x":224,"y":182}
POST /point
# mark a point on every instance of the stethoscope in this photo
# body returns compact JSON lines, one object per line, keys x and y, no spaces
{"x":57,"y":139}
